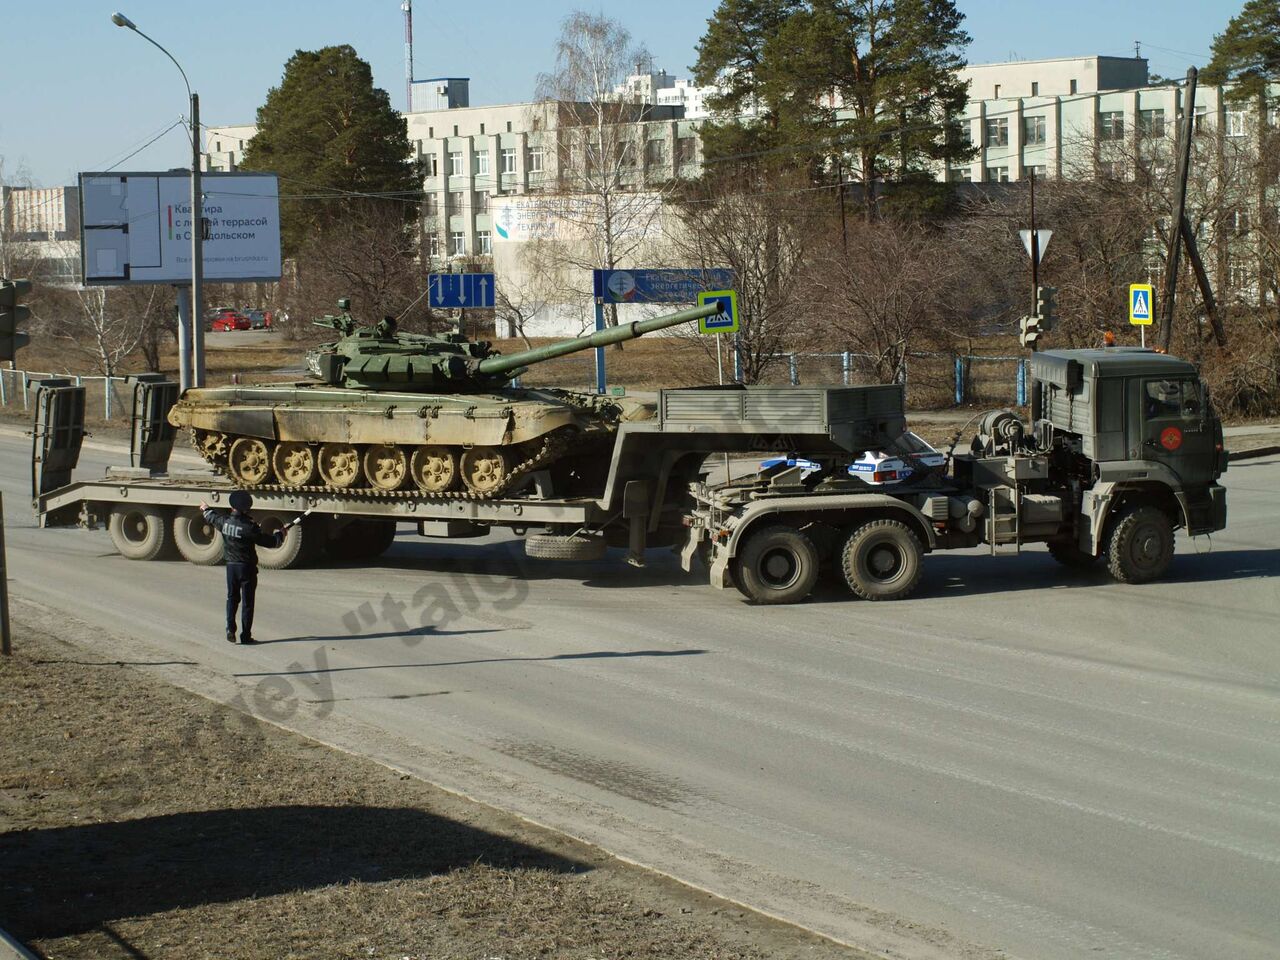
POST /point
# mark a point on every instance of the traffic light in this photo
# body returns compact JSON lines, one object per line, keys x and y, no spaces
{"x":1031,"y":329}
{"x":1046,"y":306}
{"x":12,"y":316}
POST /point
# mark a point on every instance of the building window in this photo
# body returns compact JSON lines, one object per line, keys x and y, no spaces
{"x":626,"y":155}
{"x":508,"y":159}
{"x":481,"y":202}
{"x":1198,"y":121}
{"x":484,"y":242}
{"x":960,"y":176}
{"x":508,"y":126}
{"x":457,"y":244}
{"x":655,"y":153}
{"x":455,"y":129}
{"x":431,"y":133}
{"x":217,"y":148}
{"x":535,"y":159}
{"x":1111,"y":125}
{"x":1035,"y":88}
{"x":1235,"y":123}
{"x":433,"y":245}
{"x":997,"y":93}
{"x":997,"y":132}
{"x":1151,"y":123}
{"x":482,"y":161}
{"x":455,"y":163}
{"x":456,"y":201}
{"x":687,"y":149}
{"x":997,"y":174}
{"x":1073,"y":86}
{"x":431,"y":205}
{"x":430,"y":165}
{"x":1238,"y":222}
{"x":482,"y":129}
{"x":1109,"y":169}
{"x":1033,"y":130}
{"x":1039,"y":171}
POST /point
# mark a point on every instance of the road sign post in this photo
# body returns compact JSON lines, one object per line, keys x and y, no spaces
{"x":1141,"y":307}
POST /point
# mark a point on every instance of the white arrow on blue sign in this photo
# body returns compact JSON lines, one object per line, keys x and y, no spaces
{"x":457,"y":290}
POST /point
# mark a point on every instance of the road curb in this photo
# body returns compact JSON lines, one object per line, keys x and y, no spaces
{"x":1253,"y":454}
{"x":11,"y":949}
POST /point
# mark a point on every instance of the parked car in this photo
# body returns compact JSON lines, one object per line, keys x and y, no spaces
{"x":259,"y":319}
{"x":228,"y":319}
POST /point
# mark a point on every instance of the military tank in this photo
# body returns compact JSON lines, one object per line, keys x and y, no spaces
{"x":392,"y":413}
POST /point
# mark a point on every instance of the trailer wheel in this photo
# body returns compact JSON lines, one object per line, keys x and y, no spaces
{"x":545,"y":546}
{"x":292,"y":553}
{"x":883,"y":560}
{"x":197,"y":541}
{"x":1069,"y":555}
{"x":1140,"y":546}
{"x":361,"y":540}
{"x":140,"y":531}
{"x":776,"y":565}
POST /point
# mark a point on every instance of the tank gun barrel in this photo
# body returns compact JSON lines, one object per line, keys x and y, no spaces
{"x":601,"y":338}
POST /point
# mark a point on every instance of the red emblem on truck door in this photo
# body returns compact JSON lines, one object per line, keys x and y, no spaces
{"x":1171,"y":438}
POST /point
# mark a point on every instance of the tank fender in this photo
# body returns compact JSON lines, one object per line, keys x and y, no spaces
{"x":812,"y":506}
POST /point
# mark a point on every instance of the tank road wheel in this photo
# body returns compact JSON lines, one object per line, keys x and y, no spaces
{"x":295,"y":463}
{"x":883,"y":560}
{"x":434,"y":469}
{"x":140,"y":531}
{"x":385,"y":466}
{"x":250,"y":461}
{"x":339,"y":465}
{"x":196,"y":540}
{"x":485,"y":469}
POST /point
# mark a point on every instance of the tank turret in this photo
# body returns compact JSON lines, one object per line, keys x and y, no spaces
{"x":380,"y":358}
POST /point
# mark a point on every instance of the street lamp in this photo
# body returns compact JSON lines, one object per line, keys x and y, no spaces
{"x":190,"y":333}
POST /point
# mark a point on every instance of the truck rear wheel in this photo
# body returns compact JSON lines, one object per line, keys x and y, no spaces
{"x":140,"y":531}
{"x":883,"y":560}
{"x":293,"y":552}
{"x":1140,"y":547}
{"x":197,"y":541}
{"x":776,"y":565}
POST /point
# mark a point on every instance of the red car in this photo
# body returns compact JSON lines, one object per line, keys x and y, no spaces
{"x":227,"y":320}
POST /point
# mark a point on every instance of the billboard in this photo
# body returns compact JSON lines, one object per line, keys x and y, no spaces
{"x":658,"y":286}
{"x":136,"y":227}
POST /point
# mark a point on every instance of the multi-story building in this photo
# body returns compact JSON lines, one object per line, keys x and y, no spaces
{"x":40,"y":232}
{"x":470,"y":155}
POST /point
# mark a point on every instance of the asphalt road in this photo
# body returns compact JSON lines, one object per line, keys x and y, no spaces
{"x":1018,"y":761}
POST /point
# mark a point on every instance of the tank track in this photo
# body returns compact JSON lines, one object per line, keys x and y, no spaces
{"x":552,"y":446}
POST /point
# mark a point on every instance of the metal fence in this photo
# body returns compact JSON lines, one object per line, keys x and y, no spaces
{"x":106,"y":398}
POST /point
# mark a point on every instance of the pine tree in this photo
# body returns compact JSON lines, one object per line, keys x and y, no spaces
{"x":327,"y":128}
{"x":1247,"y":53}
{"x":872,"y":80}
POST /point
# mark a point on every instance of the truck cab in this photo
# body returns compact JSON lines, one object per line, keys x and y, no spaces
{"x":1145,"y":436}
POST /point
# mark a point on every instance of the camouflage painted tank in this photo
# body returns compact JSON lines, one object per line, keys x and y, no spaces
{"x":395,"y":411}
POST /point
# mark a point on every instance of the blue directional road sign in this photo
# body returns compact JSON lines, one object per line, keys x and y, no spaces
{"x":726,"y":322}
{"x":658,"y":286}
{"x":454,"y":290}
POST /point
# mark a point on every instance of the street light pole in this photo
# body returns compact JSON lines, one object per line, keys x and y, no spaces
{"x":190,"y":341}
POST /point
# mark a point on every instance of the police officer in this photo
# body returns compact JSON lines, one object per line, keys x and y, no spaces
{"x":241,"y":537}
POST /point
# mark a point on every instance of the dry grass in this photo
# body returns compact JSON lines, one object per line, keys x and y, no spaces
{"x":137,"y":820}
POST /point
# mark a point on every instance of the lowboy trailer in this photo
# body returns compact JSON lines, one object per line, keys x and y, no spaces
{"x":1122,"y":448}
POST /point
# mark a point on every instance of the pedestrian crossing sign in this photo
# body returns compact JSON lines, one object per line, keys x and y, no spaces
{"x":1141,"y":302}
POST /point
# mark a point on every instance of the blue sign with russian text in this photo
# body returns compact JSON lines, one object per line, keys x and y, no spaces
{"x":659,"y":286}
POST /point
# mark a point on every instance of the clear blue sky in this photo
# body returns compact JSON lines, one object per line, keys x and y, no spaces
{"x":78,"y":93}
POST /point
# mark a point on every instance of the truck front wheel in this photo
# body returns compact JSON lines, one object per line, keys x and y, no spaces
{"x":1140,"y":547}
{"x":883,"y":560}
{"x":777,"y":565}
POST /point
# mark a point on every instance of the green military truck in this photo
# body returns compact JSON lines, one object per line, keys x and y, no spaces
{"x":1123,"y":448}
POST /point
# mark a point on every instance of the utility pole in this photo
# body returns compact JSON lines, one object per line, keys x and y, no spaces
{"x":1035,"y":257}
{"x":197,"y":250}
{"x":1179,"y":212}
{"x":844,"y":227}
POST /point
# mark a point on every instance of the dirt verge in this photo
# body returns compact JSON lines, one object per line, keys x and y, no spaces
{"x":139,"y":820}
